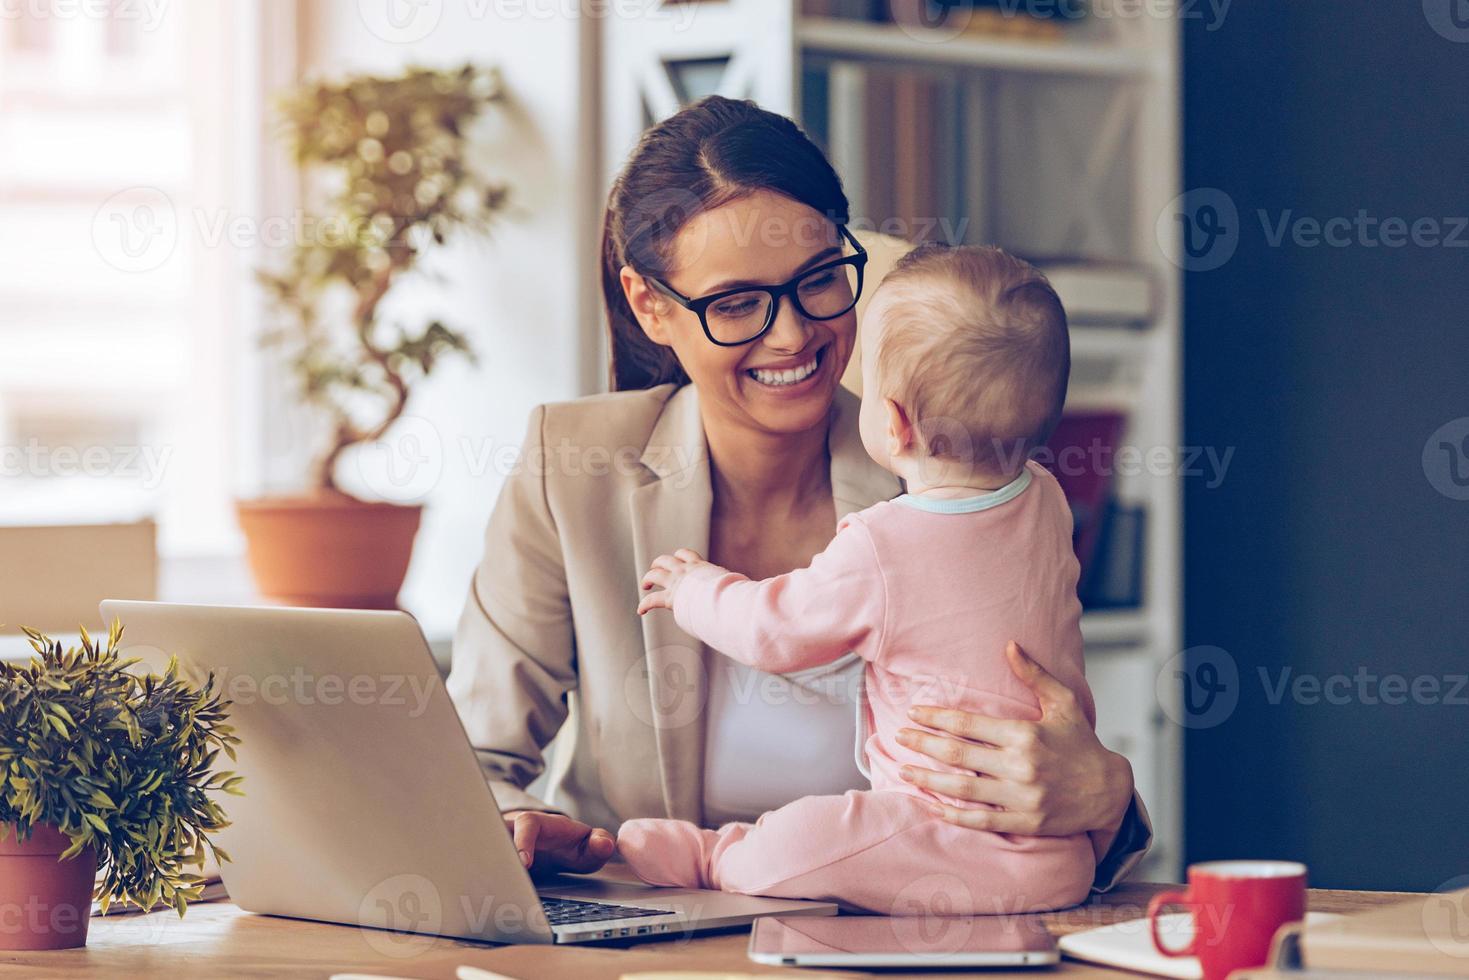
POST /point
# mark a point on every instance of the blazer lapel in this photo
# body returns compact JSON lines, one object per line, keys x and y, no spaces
{"x":669,"y":513}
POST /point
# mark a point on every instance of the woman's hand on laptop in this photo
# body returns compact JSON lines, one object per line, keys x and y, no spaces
{"x":555,"y":842}
{"x":1050,"y":778}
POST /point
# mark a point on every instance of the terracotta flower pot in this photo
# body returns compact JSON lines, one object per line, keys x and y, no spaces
{"x":329,"y":549}
{"x":45,"y":903}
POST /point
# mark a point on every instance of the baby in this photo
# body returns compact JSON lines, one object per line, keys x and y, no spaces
{"x":965,"y":359}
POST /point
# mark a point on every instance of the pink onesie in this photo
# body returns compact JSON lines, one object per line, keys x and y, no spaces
{"x":928,"y":592}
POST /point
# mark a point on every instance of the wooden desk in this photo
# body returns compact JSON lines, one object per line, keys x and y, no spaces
{"x":220,"y":941}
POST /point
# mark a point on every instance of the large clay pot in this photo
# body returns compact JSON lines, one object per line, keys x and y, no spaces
{"x":45,"y":903}
{"x":329,"y":549}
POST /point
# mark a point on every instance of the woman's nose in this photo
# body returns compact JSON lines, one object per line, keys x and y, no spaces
{"x":789,"y":332}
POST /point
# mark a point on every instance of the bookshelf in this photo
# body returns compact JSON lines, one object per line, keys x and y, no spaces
{"x":1062,"y":145}
{"x":843,"y":38}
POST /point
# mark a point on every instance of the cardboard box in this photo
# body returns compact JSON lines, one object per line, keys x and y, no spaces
{"x":53,"y":576}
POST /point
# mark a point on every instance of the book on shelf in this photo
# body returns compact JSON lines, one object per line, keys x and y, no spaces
{"x":858,"y":10}
{"x":1113,"y":293}
{"x":891,"y":136}
{"x":978,"y":18}
{"x":1114,"y":576}
{"x":1078,"y":454}
{"x":1107,"y":535}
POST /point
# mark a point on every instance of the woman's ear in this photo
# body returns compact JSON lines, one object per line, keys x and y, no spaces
{"x":645,"y":304}
{"x":900,"y":429}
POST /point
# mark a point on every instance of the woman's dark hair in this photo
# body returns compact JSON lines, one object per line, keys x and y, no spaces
{"x":708,"y":154}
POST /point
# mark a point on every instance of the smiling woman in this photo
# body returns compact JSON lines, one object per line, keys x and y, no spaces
{"x":731,"y":286}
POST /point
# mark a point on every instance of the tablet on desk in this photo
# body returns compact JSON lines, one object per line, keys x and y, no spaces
{"x":920,"y":941}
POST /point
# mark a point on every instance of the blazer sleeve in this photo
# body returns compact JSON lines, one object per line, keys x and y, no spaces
{"x":514,"y":653}
{"x":1119,"y":852}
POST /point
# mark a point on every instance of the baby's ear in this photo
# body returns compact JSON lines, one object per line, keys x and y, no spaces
{"x":900,"y":428}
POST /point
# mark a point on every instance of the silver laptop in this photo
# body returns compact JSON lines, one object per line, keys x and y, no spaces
{"x":364,"y":803}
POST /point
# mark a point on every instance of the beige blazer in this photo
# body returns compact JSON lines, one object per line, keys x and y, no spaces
{"x":550,"y":633}
{"x":605,"y":484}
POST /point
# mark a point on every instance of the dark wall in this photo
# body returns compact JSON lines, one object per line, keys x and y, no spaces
{"x":1327,"y":548}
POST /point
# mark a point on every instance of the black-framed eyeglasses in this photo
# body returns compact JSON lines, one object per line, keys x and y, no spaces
{"x":738,"y":316}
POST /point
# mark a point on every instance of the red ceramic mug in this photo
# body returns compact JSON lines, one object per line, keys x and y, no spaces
{"x":1237,"y":906}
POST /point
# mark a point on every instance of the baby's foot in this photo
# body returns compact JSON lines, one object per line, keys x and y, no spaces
{"x":670,"y":853}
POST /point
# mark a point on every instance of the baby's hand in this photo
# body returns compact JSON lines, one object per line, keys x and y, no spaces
{"x":667,"y":574}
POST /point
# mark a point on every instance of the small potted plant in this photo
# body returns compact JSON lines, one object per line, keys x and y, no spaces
{"x":393,"y":156}
{"x":103,"y":769}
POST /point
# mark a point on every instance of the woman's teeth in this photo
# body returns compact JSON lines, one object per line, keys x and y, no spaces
{"x":790,"y":376}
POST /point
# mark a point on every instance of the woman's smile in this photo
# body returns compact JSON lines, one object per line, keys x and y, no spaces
{"x":791,"y":376}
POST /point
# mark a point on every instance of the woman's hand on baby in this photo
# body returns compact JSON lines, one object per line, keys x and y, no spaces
{"x":665,"y":576}
{"x":1049,"y":778}
{"x":549,"y":842}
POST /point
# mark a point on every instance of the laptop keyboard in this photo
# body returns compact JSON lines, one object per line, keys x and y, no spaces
{"x":567,"y":911}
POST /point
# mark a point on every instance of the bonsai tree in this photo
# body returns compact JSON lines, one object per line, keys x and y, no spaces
{"x":394,"y":156}
{"x":116,"y":761}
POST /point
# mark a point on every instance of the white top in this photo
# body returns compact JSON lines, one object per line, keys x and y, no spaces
{"x":773,"y":738}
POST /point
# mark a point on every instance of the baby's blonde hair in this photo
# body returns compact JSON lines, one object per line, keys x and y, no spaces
{"x":974,"y":347}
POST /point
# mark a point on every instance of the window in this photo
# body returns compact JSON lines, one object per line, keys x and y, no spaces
{"x":115,"y":331}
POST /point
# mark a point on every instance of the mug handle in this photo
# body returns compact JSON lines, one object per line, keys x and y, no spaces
{"x":1155,"y":908}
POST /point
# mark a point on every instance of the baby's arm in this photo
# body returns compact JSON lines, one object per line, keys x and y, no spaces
{"x":802,"y":619}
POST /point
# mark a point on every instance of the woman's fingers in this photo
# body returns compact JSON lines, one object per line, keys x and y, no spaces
{"x":997,"y":821}
{"x":1050,"y":777}
{"x":967,"y":724}
{"x":1052,"y":694}
{"x":956,"y":752}
{"x":960,"y":785}
{"x":1017,"y":812}
{"x":591,"y":853}
{"x":525,"y":828}
{"x":688,"y":555}
{"x":555,"y":842}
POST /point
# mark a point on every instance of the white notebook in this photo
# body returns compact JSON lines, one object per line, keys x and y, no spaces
{"x":1129,"y":945}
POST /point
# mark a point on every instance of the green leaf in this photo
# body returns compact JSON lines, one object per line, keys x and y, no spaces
{"x":121,"y":761}
{"x":58,"y":725}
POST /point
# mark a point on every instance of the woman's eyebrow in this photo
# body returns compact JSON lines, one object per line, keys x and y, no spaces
{"x":826,"y":254}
